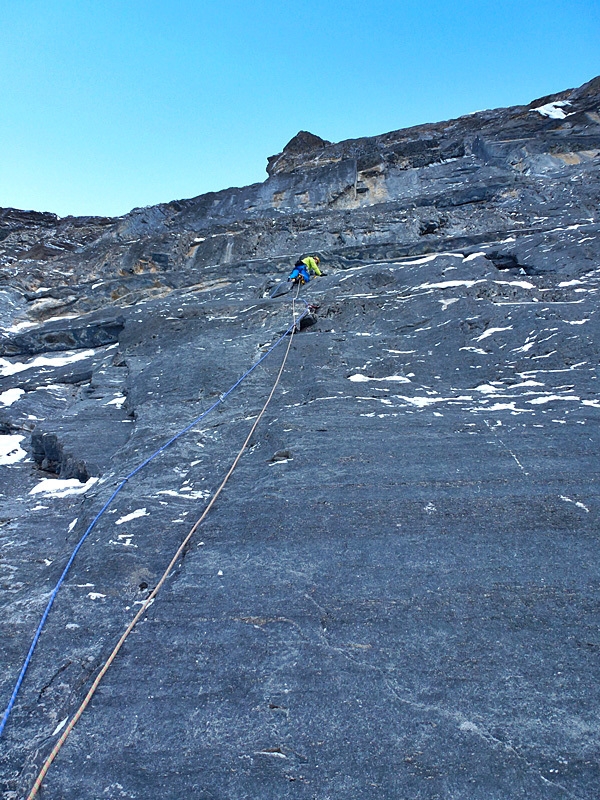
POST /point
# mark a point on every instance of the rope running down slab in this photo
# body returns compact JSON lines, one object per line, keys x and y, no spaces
{"x":149,"y":600}
{"x":121,"y":485}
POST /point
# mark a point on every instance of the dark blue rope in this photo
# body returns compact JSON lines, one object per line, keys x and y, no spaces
{"x":92,"y":525}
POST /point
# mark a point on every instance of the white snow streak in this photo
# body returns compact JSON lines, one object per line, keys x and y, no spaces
{"x":575,"y":502}
{"x":538,"y":401}
{"x":117,"y":401}
{"x":140,"y":512}
{"x":450,"y":284}
{"x":364,"y":379}
{"x":491,"y":331}
{"x":62,"y":488}
{"x":6,"y":368}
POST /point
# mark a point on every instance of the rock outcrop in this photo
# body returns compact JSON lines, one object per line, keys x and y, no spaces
{"x":295,"y":152}
{"x":396,"y":595}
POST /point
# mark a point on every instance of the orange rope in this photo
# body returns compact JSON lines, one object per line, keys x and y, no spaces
{"x":57,"y":747}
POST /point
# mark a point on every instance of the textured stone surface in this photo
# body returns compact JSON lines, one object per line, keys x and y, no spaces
{"x":297,"y":148}
{"x":397,"y":594}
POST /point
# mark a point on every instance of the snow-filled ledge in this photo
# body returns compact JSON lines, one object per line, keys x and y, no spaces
{"x":62,"y":488}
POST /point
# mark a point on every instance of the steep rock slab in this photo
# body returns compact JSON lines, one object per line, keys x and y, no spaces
{"x":396,"y":594}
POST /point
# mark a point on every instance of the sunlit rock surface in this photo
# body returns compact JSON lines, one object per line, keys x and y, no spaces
{"x":397,"y":594}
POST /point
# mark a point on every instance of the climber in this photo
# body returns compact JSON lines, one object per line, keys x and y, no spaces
{"x":303,"y":269}
{"x":312,"y":265}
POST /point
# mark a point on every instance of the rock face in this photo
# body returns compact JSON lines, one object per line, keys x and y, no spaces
{"x":295,"y":152}
{"x":396,"y":595}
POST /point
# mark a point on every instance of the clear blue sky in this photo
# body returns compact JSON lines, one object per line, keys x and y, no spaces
{"x":110,"y":104}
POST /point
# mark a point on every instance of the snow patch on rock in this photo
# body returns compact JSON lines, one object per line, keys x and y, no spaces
{"x":140,"y":512}
{"x":553,"y":110}
{"x":10,"y":449}
{"x":62,"y":488}
{"x":11,"y":396}
{"x":6,"y":368}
